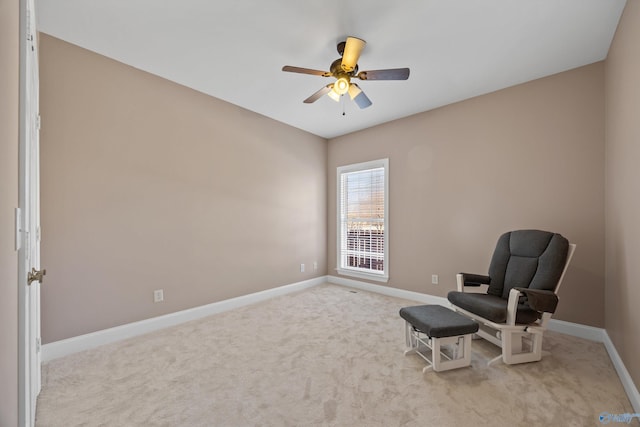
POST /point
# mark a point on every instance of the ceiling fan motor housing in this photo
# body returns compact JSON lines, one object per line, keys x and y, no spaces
{"x":337,"y":71}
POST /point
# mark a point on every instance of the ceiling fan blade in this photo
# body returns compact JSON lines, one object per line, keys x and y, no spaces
{"x":319,"y":94}
{"x":358,"y":96}
{"x":351,"y":54}
{"x":300,"y":70}
{"x":391,"y":74}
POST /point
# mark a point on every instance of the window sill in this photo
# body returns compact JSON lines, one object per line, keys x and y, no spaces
{"x":362,"y":275}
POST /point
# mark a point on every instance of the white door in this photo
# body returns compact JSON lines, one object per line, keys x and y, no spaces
{"x":30,"y":276}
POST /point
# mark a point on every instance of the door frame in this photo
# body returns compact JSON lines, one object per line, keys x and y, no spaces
{"x":28,"y":219}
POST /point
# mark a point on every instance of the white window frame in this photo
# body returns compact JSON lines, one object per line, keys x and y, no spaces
{"x":340,"y":228}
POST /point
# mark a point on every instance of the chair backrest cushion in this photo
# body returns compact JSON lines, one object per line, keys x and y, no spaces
{"x":527,"y":259}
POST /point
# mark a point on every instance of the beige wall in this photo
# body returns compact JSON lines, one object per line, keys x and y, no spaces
{"x":9,"y":95}
{"x":149,"y":185}
{"x":622,"y":189}
{"x":530,"y":156}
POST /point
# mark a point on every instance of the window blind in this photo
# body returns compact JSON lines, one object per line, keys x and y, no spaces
{"x":362,"y":210}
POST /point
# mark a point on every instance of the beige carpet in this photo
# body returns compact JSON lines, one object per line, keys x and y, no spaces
{"x":327,"y":356}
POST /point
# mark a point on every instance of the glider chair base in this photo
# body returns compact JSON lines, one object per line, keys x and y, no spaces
{"x":519,"y":343}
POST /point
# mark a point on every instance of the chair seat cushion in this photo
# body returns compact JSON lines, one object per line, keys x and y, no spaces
{"x":437,"y":321}
{"x":491,"y":307}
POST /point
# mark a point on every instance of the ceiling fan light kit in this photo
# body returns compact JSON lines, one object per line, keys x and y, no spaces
{"x":341,"y":86}
{"x":354,"y":90}
{"x":344,"y":69}
{"x":333,"y":94}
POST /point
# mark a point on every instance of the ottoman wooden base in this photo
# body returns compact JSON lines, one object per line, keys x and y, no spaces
{"x":430,"y":328}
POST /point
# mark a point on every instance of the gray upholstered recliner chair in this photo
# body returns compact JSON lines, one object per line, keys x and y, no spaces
{"x":525,"y":273}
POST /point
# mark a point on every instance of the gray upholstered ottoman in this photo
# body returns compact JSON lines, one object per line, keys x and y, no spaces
{"x":435,"y":326}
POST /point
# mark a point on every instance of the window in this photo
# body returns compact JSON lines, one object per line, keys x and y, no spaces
{"x":363,"y":233}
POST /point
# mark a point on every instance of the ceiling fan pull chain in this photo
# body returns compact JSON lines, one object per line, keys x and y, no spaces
{"x":342,"y":102}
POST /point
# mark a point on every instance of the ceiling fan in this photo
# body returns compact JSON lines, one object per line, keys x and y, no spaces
{"x":344,"y":69}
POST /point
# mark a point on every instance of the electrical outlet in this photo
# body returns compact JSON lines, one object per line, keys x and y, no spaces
{"x":315,"y":265}
{"x":301,"y":268}
{"x":434,"y":279}
{"x":158,"y":295}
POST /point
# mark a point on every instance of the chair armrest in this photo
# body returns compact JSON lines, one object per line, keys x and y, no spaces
{"x":512,"y":305}
{"x":539,"y":300}
{"x":468,"y":279}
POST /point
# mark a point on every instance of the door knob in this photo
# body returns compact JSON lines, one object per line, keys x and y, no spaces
{"x":35,"y":275}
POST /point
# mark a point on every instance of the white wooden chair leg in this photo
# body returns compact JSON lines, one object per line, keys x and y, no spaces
{"x":410,"y":339}
{"x":407,"y":334}
{"x":512,"y":347}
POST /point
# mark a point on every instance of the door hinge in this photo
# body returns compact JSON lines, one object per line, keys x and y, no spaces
{"x":38,"y":345}
{"x":38,"y":122}
{"x":27,"y":245}
{"x":38,"y":234}
{"x":18,"y":229}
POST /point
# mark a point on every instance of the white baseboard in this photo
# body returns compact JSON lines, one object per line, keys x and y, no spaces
{"x":577,"y":330}
{"x":386,"y":290}
{"x":625,"y":378}
{"x":568,"y":328}
{"x":72,"y":345}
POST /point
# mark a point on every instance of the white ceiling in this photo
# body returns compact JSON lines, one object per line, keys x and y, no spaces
{"x":235,"y":50}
